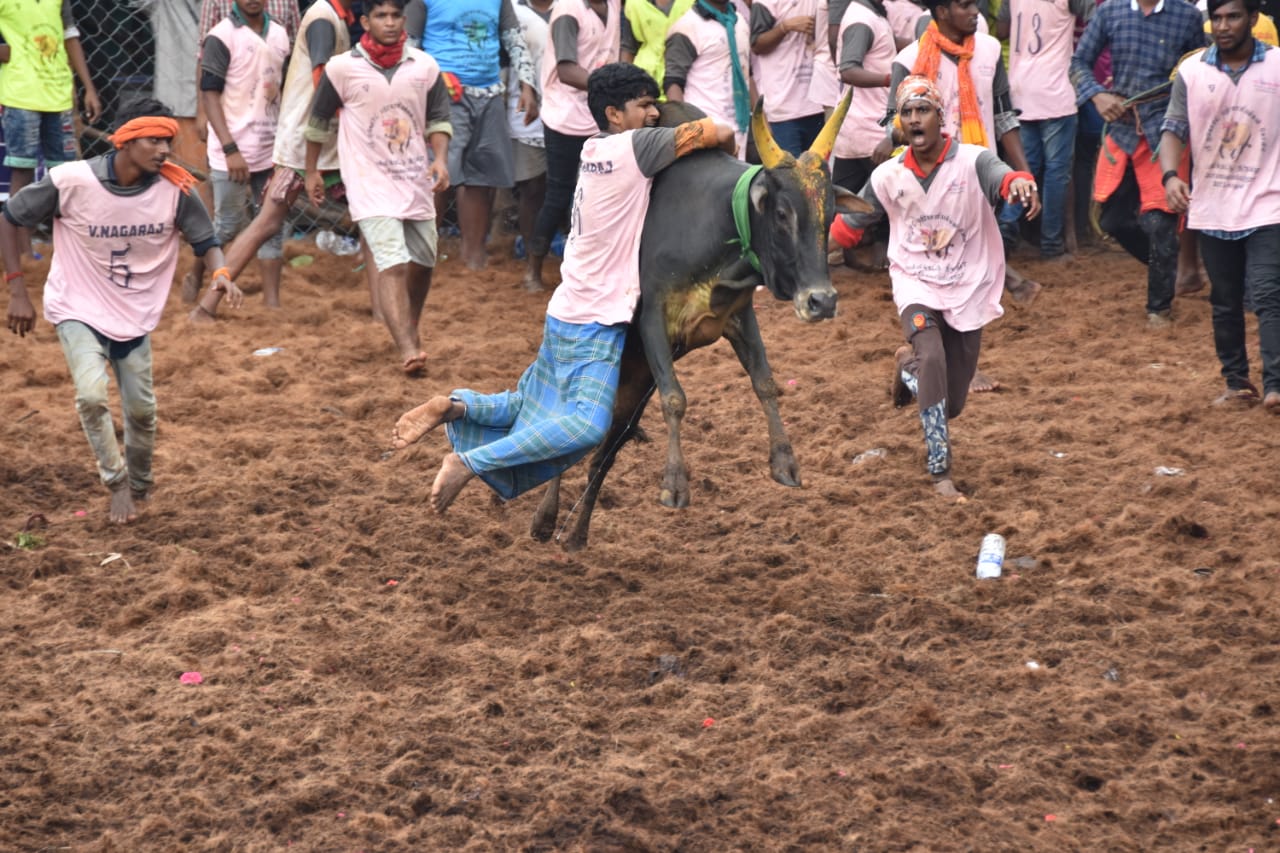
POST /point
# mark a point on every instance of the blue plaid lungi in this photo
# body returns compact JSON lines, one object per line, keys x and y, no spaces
{"x":560,"y":410}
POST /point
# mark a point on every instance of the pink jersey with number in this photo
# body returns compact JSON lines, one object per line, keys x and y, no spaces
{"x":114,"y":256}
{"x":786,"y":73}
{"x":564,"y":108}
{"x":1235,"y":167}
{"x":862,"y":131}
{"x":251,"y":97}
{"x":382,"y":146}
{"x":944,"y":245}
{"x":710,"y":82}
{"x":986,"y":59}
{"x":600,"y":276}
{"x":1040,"y":46}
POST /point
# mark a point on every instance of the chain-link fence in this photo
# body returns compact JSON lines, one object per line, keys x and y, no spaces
{"x":148,"y":48}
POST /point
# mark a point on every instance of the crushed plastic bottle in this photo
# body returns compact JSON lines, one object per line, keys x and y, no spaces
{"x":337,"y":244}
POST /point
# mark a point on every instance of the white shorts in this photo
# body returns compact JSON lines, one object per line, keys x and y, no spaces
{"x":399,"y":241}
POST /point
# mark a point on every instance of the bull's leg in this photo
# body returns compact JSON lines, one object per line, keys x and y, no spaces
{"x":657,"y":350}
{"x":634,"y":389}
{"x":544,"y":517}
{"x":743,"y":332}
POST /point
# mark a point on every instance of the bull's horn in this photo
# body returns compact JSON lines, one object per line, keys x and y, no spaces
{"x":771,"y":154}
{"x":827,"y":139}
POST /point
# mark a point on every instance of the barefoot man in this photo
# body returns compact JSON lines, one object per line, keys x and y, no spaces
{"x":563,"y":405}
{"x":394,"y":105}
{"x":946,"y":260}
{"x":116,"y":222}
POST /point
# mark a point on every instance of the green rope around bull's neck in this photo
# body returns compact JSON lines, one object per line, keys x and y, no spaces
{"x":742,"y":214}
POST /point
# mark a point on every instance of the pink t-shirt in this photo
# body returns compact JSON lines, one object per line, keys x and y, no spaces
{"x":986,"y":59}
{"x":785,"y":74}
{"x":382,"y":145}
{"x":862,"y":131}
{"x":564,"y":108}
{"x":251,"y":98}
{"x":600,"y":276}
{"x":115,"y":255}
{"x":824,"y":86}
{"x":710,"y":82}
{"x":1235,"y":169}
{"x":1040,"y":45}
{"x":903,"y":15}
{"x":944,"y":245}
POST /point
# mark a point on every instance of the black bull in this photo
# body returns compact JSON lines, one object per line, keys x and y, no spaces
{"x":696,"y":287}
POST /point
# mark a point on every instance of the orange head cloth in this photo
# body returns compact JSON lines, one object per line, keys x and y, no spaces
{"x":148,"y":127}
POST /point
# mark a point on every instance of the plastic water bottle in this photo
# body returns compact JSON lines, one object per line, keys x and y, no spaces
{"x":990,"y":556}
{"x":327,"y":240}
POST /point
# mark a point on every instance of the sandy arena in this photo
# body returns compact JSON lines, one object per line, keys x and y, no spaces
{"x":770,"y":669}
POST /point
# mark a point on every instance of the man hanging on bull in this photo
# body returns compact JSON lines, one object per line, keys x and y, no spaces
{"x":946,"y":260}
{"x":563,"y":405}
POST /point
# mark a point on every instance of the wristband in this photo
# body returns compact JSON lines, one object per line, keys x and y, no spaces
{"x":888,"y":80}
{"x":10,"y":276}
{"x":220,"y":271}
{"x":1164,"y":179}
{"x":231,"y":148}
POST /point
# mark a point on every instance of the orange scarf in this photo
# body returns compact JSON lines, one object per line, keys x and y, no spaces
{"x":932,"y":43}
{"x":156,"y":127}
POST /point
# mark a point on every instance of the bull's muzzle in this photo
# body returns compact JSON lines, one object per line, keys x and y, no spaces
{"x":815,"y":303}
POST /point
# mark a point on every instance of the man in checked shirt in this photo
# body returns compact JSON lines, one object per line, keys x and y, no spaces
{"x":1147,"y":38}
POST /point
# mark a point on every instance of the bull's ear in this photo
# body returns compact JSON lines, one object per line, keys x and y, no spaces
{"x":759,"y":192}
{"x":847,"y":202}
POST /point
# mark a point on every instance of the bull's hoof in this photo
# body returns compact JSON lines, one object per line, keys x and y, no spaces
{"x":673,"y":500}
{"x":788,"y":478}
{"x":783,"y":467}
{"x":542,"y":529}
{"x":573,"y":543}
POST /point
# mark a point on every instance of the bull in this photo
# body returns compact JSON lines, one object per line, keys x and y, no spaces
{"x":699,"y":269}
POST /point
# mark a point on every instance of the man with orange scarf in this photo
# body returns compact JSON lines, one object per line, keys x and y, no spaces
{"x":116,"y":223}
{"x":969,"y":71}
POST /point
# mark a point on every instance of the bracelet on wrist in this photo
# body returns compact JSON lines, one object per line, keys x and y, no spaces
{"x":220,"y":272}
{"x":1164,"y":179}
{"x":230,"y":148}
{"x":10,"y":276}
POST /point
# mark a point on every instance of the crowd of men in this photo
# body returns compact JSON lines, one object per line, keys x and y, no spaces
{"x":394,"y":107}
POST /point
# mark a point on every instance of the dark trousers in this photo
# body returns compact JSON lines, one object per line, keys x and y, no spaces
{"x":1235,"y":266}
{"x":942,"y":364}
{"x":1151,"y":237}
{"x":794,"y":136}
{"x":563,"y":155}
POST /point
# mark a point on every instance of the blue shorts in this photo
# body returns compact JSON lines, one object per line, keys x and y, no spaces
{"x":31,"y":137}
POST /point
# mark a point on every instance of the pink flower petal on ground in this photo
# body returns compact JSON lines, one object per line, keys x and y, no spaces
{"x":791,"y":382}
{"x":1050,"y":817}
{"x":1240,"y":745}
{"x":393,"y":582}
{"x":708,"y":723}
{"x":191,"y":678}
{"x":1004,"y":766}
{"x":80,"y":513}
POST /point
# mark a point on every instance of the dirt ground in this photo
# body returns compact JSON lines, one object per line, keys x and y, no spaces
{"x":769,"y":669}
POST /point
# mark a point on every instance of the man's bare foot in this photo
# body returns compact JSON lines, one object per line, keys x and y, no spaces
{"x":1022,"y":289}
{"x":201,"y":316}
{"x":982,"y":383}
{"x":122,"y":509}
{"x":1056,"y":260}
{"x":190,"y":289}
{"x":1271,"y":402}
{"x":898,"y":389}
{"x":453,"y":475}
{"x":947,"y":490}
{"x":414,"y":364}
{"x":417,"y":422}
{"x":1188,"y":283}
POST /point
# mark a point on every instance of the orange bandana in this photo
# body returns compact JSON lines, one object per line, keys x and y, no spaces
{"x":932,"y":43}
{"x":156,"y":127}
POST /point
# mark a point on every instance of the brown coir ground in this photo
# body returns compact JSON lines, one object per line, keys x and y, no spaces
{"x":769,"y":669}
